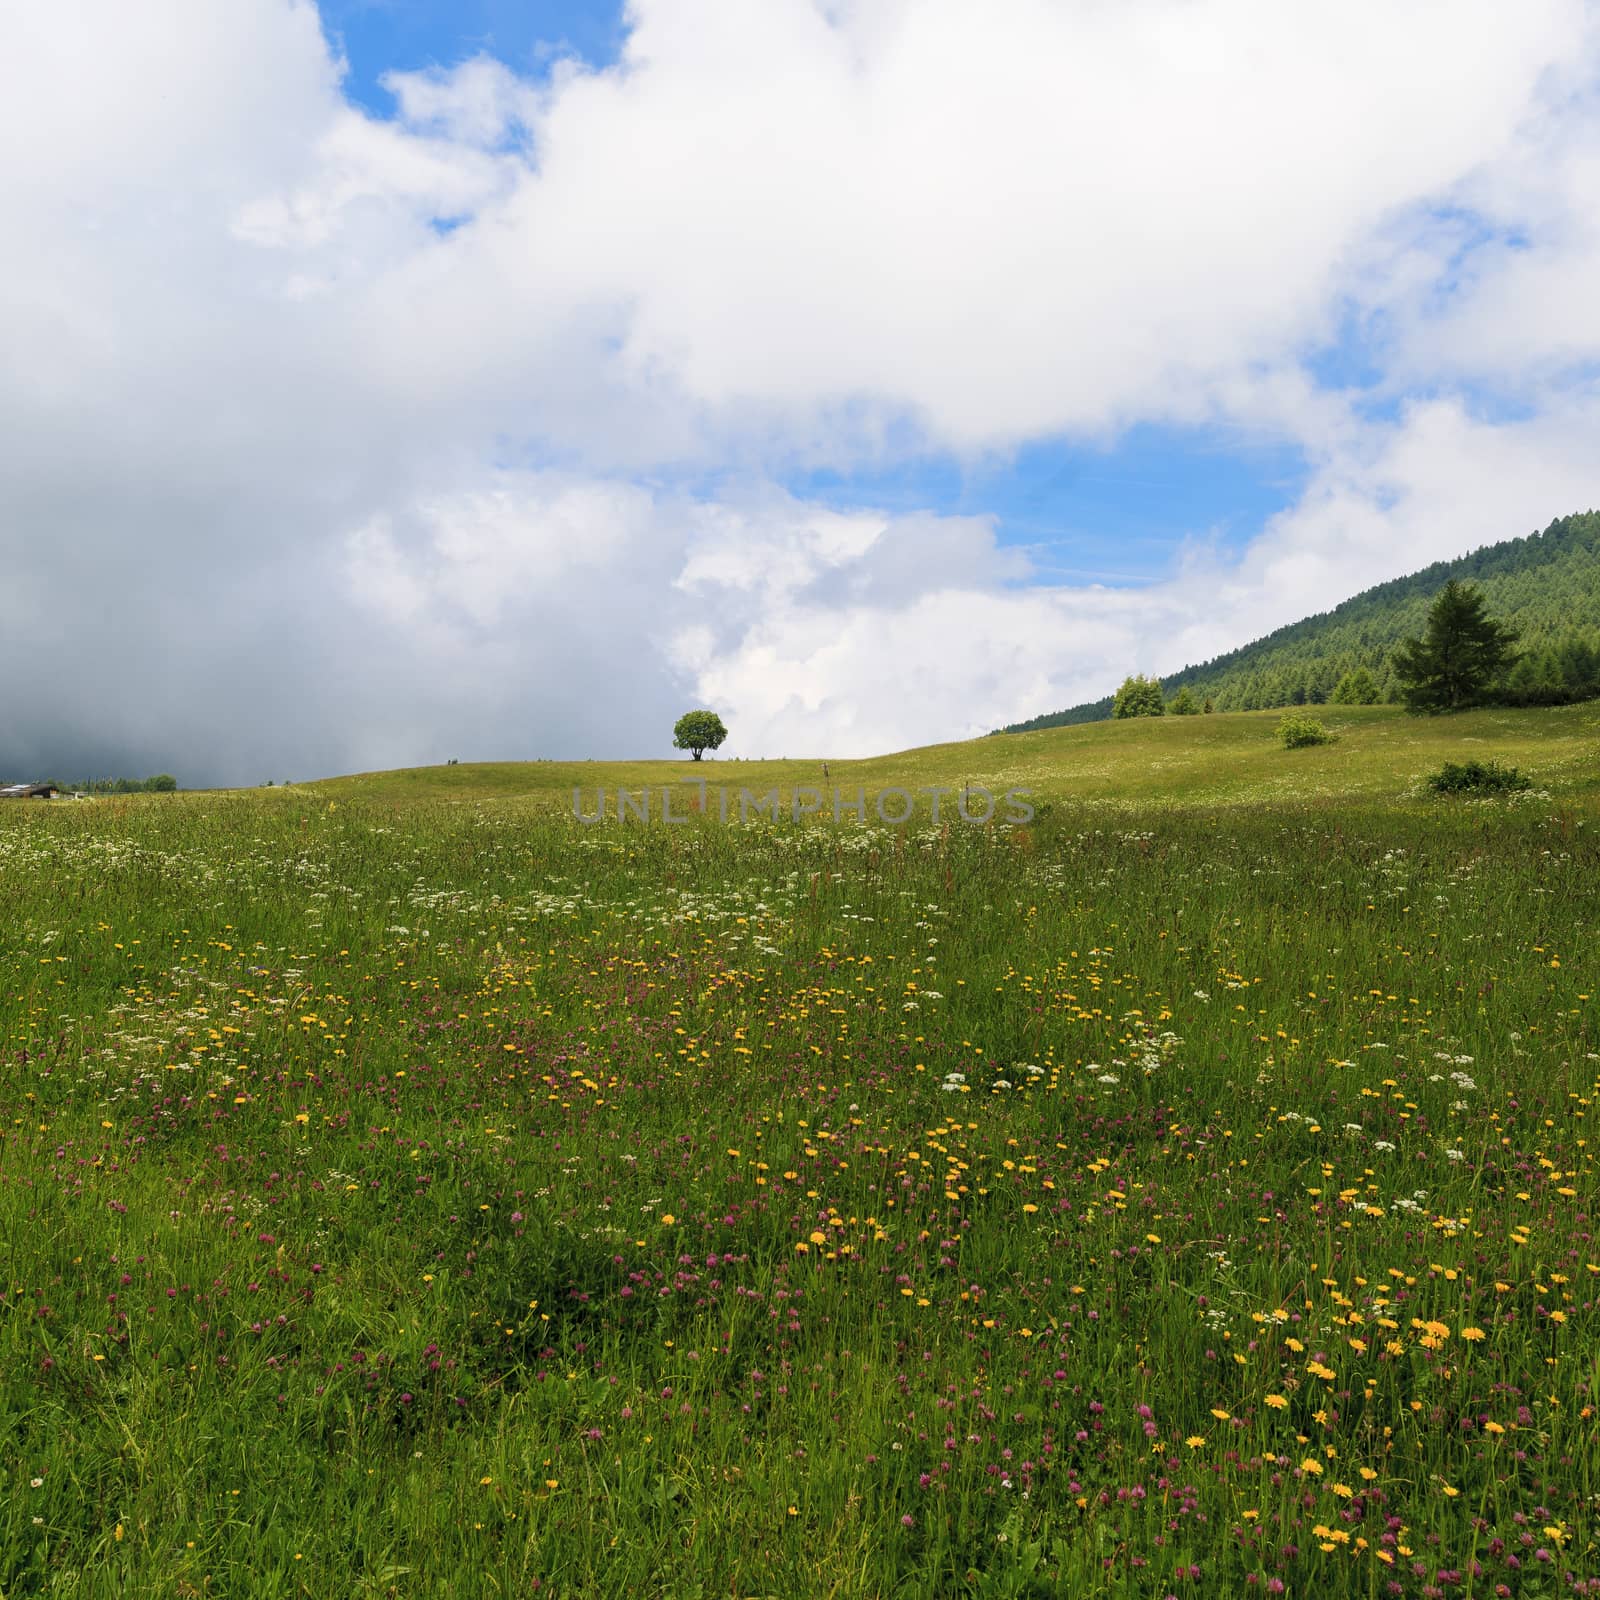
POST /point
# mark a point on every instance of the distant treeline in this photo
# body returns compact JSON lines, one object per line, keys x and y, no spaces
{"x":162,"y":783}
{"x":1546,"y":586}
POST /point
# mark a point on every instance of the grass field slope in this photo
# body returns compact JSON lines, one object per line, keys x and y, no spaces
{"x":1546,"y":585}
{"x":1379,"y":752}
{"x":408,"y":1190}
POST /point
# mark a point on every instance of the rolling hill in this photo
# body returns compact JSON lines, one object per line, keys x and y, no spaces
{"x":1546,"y":585}
{"x":1381,"y":755}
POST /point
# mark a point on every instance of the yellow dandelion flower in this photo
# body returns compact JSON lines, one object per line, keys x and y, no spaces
{"x":1195,"y":1440}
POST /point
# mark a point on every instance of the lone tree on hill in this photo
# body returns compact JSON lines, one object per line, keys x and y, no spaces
{"x":1460,"y":656}
{"x":698,"y":731}
{"x":1139,"y":697}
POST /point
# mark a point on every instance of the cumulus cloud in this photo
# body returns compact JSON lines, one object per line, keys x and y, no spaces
{"x":335,"y":441}
{"x":1064,"y":216}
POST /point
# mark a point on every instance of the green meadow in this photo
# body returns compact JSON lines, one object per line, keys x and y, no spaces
{"x":1380,"y":753}
{"x":406,"y":1190}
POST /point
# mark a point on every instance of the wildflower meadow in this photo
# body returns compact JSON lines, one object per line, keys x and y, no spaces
{"x":417,"y":1195}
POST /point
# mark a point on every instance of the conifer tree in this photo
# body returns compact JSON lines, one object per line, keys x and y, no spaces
{"x":1462,"y":653}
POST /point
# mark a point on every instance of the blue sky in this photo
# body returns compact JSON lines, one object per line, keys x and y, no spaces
{"x":1111,"y":515}
{"x":382,"y":36}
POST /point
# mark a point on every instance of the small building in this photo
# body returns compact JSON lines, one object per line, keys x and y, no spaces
{"x":29,"y":791}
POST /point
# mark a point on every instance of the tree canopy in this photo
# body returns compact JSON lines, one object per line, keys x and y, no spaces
{"x":698,"y":731}
{"x":1357,"y":688}
{"x":1139,"y":697}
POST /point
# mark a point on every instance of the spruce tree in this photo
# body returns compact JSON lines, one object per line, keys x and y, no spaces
{"x":1461,"y":655}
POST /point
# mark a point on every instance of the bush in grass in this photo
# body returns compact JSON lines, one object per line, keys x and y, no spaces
{"x":1295,"y":733}
{"x":1477,"y":777}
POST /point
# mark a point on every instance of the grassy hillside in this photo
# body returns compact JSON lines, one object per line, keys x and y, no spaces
{"x":1226,"y":759}
{"x":406,"y":1193}
{"x":1547,"y":585}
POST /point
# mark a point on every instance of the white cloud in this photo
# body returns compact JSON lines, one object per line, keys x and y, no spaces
{"x":359,"y":162}
{"x":1058,"y":216}
{"x":334,"y":441}
{"x":481,"y":102}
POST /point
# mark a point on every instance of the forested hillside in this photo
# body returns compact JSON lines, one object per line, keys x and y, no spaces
{"x":1547,"y":586}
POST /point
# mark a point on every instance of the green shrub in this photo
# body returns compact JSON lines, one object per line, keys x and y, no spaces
{"x":1477,"y":777}
{"x":1295,"y":733}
